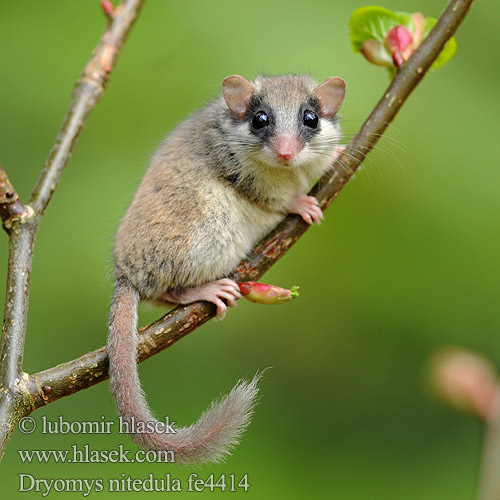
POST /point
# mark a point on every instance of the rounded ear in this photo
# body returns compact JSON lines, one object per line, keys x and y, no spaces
{"x":237,"y":93}
{"x":331,"y":94}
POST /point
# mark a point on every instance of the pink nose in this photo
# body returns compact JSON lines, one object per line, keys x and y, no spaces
{"x":287,"y":146}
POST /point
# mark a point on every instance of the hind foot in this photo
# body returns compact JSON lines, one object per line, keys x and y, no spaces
{"x":214,"y":291}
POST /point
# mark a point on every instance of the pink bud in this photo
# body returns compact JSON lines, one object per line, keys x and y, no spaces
{"x":465,"y":380}
{"x":107,"y":7}
{"x":419,"y":22}
{"x":262,"y":293}
{"x":398,"y":59}
{"x":398,"y":38}
{"x":399,"y":41}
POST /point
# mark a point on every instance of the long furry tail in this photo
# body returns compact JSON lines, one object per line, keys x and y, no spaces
{"x":209,"y":439}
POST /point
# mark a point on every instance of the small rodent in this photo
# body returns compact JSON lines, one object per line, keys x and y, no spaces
{"x":218,"y":183}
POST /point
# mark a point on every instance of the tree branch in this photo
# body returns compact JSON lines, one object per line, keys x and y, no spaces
{"x":67,"y":378}
{"x":88,"y":91}
{"x":22,"y":222}
{"x":489,"y":481}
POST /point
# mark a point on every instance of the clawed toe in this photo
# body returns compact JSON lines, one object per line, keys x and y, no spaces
{"x":221,"y":308}
{"x":307,"y":207}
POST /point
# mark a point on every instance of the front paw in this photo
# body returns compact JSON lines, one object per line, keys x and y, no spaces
{"x":307,"y":207}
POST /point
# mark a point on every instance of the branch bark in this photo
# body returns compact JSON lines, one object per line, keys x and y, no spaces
{"x":489,"y":481}
{"x":22,"y":222}
{"x":67,"y":378}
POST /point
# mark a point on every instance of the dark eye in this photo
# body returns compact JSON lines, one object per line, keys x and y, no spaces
{"x":260,"y":120}
{"x":310,"y":119}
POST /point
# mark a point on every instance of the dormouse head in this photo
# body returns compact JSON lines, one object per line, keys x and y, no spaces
{"x":285,"y":121}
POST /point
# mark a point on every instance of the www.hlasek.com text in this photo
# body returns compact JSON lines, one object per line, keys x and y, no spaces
{"x":87,"y":455}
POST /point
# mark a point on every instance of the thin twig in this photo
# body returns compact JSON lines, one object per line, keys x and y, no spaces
{"x":489,"y":473}
{"x":91,"y":368}
{"x":88,"y":91}
{"x":22,"y":228}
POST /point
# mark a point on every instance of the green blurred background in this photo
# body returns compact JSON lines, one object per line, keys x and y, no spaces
{"x":406,"y":261}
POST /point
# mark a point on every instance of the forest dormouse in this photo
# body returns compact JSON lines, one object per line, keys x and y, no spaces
{"x":218,"y":183}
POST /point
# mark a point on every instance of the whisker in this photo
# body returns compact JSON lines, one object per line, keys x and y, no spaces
{"x":396,"y":141}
